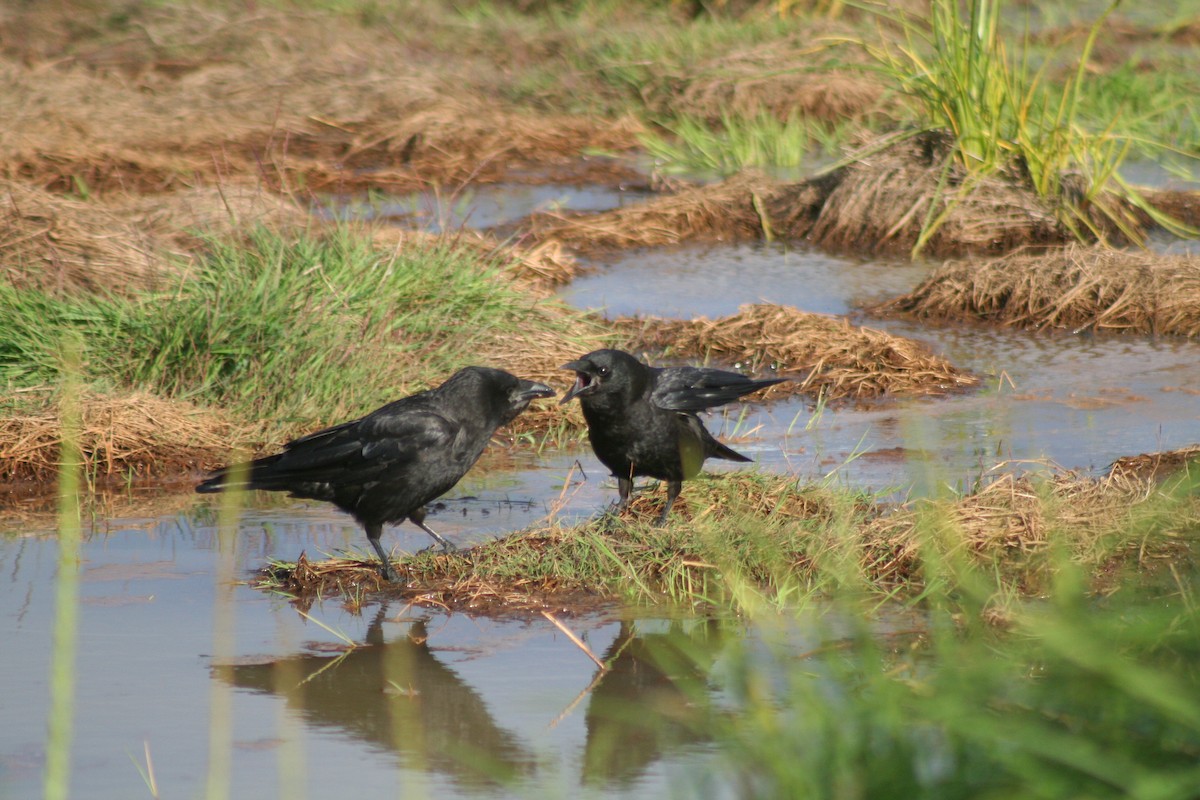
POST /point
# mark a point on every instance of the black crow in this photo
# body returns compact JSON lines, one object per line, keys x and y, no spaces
{"x":642,"y":420}
{"x":384,"y":467}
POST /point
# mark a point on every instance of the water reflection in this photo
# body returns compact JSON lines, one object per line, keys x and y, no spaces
{"x":398,"y":697}
{"x":652,"y":701}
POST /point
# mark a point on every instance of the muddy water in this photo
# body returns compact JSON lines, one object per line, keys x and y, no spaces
{"x":427,"y":703}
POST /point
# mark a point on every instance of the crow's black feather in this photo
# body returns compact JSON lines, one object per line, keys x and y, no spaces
{"x":384,"y":467}
{"x":642,"y":420}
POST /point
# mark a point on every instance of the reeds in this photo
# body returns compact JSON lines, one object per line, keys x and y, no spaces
{"x":760,"y":141}
{"x":1004,"y":119}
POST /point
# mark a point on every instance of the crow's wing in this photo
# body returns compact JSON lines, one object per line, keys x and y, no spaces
{"x":361,"y":451}
{"x":693,"y":389}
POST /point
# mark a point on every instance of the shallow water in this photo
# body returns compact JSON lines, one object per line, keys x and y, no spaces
{"x":1076,"y":400}
{"x":479,"y":207}
{"x":425,"y":703}
{"x":430,"y":703}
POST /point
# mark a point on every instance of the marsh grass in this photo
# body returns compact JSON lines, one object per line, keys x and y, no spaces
{"x":1079,"y":694}
{"x":746,"y":540}
{"x":1069,"y":704}
{"x":1006,"y":118}
{"x":761,"y":140}
{"x":296,"y":330}
{"x":1050,"y":635}
{"x":1075,"y":288}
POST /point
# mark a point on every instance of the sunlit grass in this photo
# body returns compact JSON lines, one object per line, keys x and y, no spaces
{"x":319,"y":327}
{"x":1078,"y":696}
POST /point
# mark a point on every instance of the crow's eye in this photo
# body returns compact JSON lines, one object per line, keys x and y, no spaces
{"x":602,"y":371}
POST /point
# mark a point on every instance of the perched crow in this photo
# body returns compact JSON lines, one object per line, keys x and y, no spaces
{"x":385,"y":467}
{"x":642,"y":420}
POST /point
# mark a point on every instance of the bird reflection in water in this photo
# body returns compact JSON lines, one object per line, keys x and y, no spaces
{"x":655,"y":699}
{"x":399,"y":697}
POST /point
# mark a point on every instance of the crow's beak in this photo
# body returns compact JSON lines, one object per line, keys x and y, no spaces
{"x":531,"y":391}
{"x":583,"y":383}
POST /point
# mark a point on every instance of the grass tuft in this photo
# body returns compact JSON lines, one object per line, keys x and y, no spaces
{"x":300,"y":331}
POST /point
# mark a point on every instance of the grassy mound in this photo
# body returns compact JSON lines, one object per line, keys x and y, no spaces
{"x":1076,"y":288}
{"x":744,"y":538}
{"x":890,"y":197}
{"x":123,"y":436}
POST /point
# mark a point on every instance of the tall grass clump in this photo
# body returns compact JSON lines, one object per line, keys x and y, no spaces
{"x":1006,"y":118}
{"x":1099,"y":704}
{"x":294,"y":329}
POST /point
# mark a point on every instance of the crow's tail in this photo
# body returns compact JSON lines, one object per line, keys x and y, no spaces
{"x":714,"y":449}
{"x":249,"y":475}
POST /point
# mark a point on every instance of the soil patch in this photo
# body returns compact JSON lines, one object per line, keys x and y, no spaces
{"x":1076,"y":288}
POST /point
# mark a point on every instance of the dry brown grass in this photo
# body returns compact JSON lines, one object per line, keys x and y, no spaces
{"x":539,"y":267}
{"x":880,"y":202}
{"x":126,"y":243}
{"x":1014,"y":518}
{"x":827,"y":354}
{"x":1155,"y":466}
{"x":1074,"y":288}
{"x":796,"y":75}
{"x":58,"y":245}
{"x":733,"y":209}
{"x":187,"y":95}
{"x":131,"y":436}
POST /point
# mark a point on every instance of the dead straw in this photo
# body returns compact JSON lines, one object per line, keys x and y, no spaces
{"x":582,"y":645}
{"x":827,"y":354}
{"x":1076,"y":288}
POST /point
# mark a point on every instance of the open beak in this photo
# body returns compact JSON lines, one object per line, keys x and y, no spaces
{"x":531,"y":391}
{"x":583,"y":381}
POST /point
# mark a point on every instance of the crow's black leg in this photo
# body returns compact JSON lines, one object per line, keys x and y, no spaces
{"x":418,"y":519}
{"x":673,"y":489}
{"x":373,"y":534}
{"x":624,"y":493}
